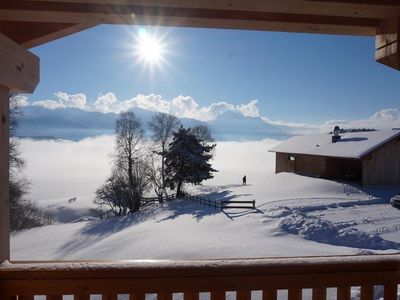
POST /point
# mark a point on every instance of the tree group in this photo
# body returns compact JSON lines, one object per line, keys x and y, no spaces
{"x":173,"y":156}
{"x":23,"y":212}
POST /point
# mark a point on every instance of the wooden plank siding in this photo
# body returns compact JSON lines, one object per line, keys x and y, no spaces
{"x":319,"y":166}
{"x":310,"y":165}
{"x":382,"y":166}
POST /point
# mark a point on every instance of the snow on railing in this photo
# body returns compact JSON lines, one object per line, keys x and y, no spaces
{"x":136,"y":279}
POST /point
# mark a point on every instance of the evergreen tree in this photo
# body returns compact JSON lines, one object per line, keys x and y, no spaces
{"x":187,"y":160}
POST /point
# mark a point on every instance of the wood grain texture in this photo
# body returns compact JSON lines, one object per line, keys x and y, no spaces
{"x":270,"y":294}
{"x":4,"y":176}
{"x":294,"y":294}
{"x":216,"y":276}
{"x":387,"y":42}
{"x":109,"y":296}
{"x":191,"y":296}
{"x":390,"y":291}
{"x":343,"y":293}
{"x":243,"y":295}
{"x":319,"y":293}
{"x":164,"y":296}
{"x":367,"y":292}
{"x":55,"y":297}
{"x":19,"y":68}
{"x":329,"y":17}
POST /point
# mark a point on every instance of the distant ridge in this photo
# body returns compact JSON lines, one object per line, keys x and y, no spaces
{"x":75,"y":124}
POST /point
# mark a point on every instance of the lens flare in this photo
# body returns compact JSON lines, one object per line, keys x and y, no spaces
{"x":149,"y":49}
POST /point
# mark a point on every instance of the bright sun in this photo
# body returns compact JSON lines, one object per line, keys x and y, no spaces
{"x":149,"y":49}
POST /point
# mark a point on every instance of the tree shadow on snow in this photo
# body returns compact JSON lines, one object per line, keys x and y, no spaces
{"x":198,"y":210}
{"x":235,"y":213}
{"x":98,"y":230}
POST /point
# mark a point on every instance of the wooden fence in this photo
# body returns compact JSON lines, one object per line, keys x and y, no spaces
{"x":23,"y":280}
{"x":223,"y":204}
{"x":205,"y":201}
{"x":148,"y":201}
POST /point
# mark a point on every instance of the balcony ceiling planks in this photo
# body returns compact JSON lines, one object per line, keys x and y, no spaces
{"x":33,"y":22}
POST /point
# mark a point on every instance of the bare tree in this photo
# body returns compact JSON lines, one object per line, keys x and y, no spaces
{"x":203,"y":134}
{"x":113,"y":194}
{"x":129,"y":136}
{"x":162,"y":127}
{"x":154,"y":175}
{"x":16,"y":160}
{"x":23,"y":213}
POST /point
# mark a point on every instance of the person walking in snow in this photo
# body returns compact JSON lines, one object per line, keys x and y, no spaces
{"x":244,"y":180}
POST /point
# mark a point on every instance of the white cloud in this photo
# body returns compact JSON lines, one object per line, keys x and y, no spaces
{"x":64,"y":100}
{"x":180,"y":106}
{"x":250,"y":109}
{"x":389,"y":115}
{"x":384,"y":119}
{"x":106,"y":103}
{"x":187,"y":107}
{"x":148,"y":102}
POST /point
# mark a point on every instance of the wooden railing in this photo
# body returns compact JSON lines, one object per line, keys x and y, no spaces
{"x":152,"y":200}
{"x":204,"y":201}
{"x":222,"y":204}
{"x":267,"y":276}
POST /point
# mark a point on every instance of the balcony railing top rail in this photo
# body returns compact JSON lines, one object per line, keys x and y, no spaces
{"x":220,"y":275}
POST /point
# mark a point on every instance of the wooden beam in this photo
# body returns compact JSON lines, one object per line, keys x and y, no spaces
{"x":23,"y":32}
{"x":4,"y":176}
{"x":206,"y":19}
{"x":19,"y":68}
{"x":127,"y":14}
{"x":350,"y":8}
{"x":384,"y":3}
{"x":33,"y":42}
{"x":387,"y":50}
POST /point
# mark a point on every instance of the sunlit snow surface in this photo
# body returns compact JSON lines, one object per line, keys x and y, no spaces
{"x":295,"y":215}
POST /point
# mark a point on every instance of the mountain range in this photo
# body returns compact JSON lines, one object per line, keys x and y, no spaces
{"x":75,"y":124}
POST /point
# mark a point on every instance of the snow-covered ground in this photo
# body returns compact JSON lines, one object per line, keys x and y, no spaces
{"x":294,"y":215}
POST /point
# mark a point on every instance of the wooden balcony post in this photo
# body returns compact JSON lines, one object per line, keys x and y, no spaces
{"x":270,"y":294}
{"x":367,"y":292}
{"x":19,"y":72}
{"x":319,"y":294}
{"x":387,"y":50}
{"x":4,"y":176}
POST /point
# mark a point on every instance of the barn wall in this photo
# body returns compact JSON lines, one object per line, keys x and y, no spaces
{"x":319,"y":166}
{"x":311,"y":165}
{"x":343,"y":168}
{"x":382,"y":166}
{"x":283,"y":164}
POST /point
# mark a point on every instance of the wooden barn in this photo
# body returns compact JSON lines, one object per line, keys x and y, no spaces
{"x":371,"y":158}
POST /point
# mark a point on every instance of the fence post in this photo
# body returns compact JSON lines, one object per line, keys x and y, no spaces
{"x":254,"y":203}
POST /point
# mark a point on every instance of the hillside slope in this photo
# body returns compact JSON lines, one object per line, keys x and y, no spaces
{"x":312,"y":217}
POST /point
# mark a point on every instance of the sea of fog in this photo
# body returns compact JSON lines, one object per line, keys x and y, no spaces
{"x":65,"y":169}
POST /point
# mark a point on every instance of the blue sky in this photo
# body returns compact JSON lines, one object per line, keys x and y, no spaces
{"x":295,"y":77}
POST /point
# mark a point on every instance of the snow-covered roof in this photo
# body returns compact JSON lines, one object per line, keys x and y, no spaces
{"x":351,"y":145}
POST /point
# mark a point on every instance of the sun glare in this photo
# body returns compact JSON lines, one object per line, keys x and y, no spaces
{"x":149,"y":49}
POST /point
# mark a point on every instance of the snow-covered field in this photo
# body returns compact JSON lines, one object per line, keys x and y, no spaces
{"x":294,"y":215}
